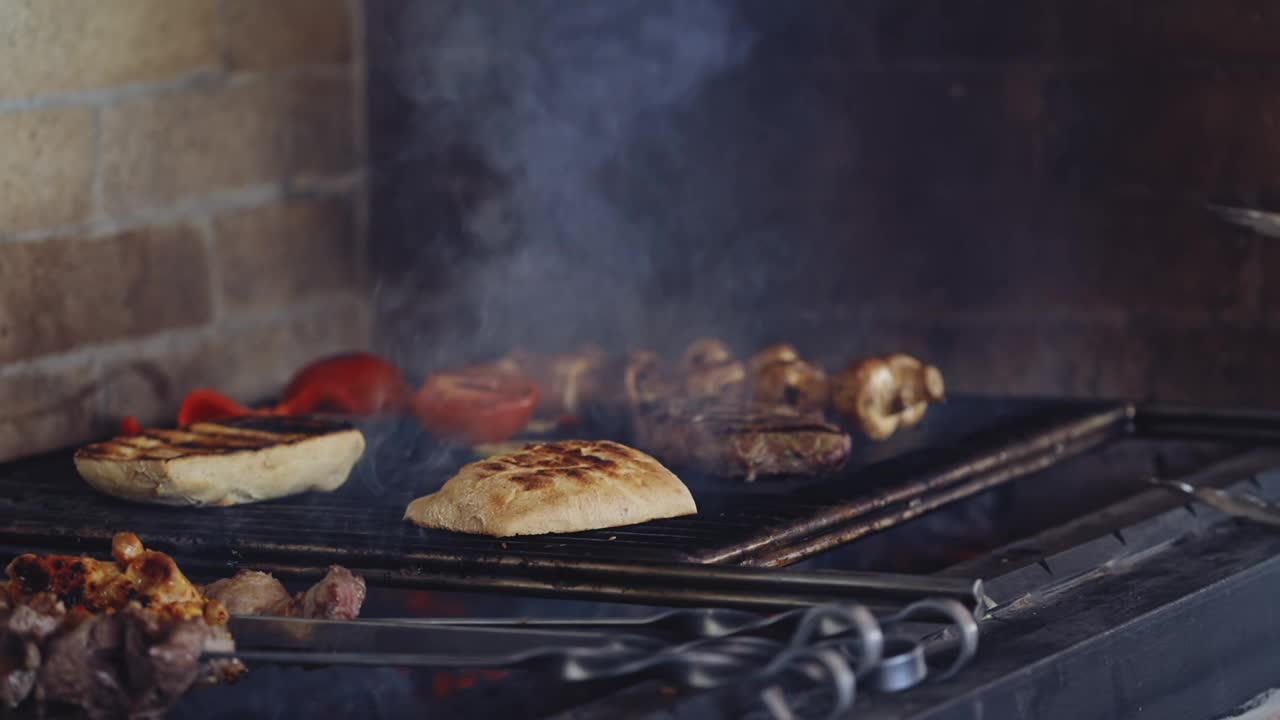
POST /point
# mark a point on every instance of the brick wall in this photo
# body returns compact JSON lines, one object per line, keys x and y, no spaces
{"x":181,"y":204}
{"x":1013,"y":188}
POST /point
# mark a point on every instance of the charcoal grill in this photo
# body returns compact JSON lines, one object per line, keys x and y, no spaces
{"x":963,"y":448}
{"x":1088,"y":562}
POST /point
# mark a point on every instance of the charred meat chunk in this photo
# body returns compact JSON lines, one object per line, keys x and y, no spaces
{"x":338,"y":596}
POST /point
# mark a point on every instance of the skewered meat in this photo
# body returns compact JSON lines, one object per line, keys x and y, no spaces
{"x":338,"y":596}
{"x":113,"y":639}
{"x":250,"y":592}
{"x":733,"y":441}
{"x":132,"y":663}
{"x":23,"y":629}
{"x":881,"y":395}
{"x":149,"y":579}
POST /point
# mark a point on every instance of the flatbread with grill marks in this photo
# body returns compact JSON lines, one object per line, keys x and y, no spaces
{"x":222,"y":463}
{"x":555,"y":487}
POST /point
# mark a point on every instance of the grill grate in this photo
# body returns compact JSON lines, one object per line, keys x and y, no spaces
{"x":962,"y":447}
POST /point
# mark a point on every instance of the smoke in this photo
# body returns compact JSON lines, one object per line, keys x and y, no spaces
{"x":571,"y":110}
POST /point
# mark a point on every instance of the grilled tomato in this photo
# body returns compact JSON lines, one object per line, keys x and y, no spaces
{"x":474,"y":405}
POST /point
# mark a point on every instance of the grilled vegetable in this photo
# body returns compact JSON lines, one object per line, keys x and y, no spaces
{"x":481,"y":404}
{"x":569,"y":382}
{"x":796,"y":383}
{"x":704,"y":353}
{"x":778,"y":353}
{"x":204,"y":405}
{"x":881,"y":395}
{"x":354,"y":384}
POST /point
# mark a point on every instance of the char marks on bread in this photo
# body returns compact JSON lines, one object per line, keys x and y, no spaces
{"x":222,"y":463}
{"x":555,"y":487}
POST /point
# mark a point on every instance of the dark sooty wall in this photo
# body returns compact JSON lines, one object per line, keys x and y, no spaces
{"x":1012,"y":188}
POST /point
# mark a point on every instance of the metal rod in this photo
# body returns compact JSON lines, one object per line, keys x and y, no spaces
{"x":1045,"y":456}
{"x":676,"y":585}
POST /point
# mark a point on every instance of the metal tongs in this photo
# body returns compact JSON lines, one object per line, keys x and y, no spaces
{"x":1240,"y":505}
{"x":829,"y":646}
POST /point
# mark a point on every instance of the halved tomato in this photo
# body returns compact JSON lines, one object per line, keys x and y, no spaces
{"x":480,"y":404}
{"x":356,"y":383}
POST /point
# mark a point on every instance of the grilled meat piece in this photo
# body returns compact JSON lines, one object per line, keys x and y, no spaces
{"x":338,"y":596}
{"x":132,"y":663}
{"x":250,"y":592}
{"x":138,"y":576}
{"x":23,"y":629}
{"x":121,"y":638}
{"x":733,"y":441}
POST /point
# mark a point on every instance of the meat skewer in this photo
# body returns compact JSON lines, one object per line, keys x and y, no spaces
{"x":127,"y":637}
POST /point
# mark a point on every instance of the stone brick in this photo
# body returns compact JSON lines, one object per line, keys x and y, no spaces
{"x":273,"y":255}
{"x":285,"y":33}
{"x":161,"y":149}
{"x":259,"y":359}
{"x":46,"y":169}
{"x":66,"y":293}
{"x":53,"y":46}
{"x":317,"y":119}
{"x":46,"y":409}
{"x":250,"y":363}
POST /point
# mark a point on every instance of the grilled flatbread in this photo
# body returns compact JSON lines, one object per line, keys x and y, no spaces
{"x":554,"y":487}
{"x":228,"y":462}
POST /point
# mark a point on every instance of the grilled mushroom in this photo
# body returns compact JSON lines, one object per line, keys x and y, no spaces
{"x":918,"y":385}
{"x":710,"y":371}
{"x":884,"y":394}
{"x":867,"y":394}
{"x":704,"y":353}
{"x":726,"y":380}
{"x":771,"y":355}
{"x":796,"y":383}
{"x":645,"y":379}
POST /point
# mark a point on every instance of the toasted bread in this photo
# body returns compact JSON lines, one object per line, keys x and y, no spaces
{"x":228,"y":462}
{"x":555,"y":487}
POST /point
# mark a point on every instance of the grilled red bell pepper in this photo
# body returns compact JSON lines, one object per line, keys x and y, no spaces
{"x":354,"y":384}
{"x":204,"y":404}
{"x":130,"y":426}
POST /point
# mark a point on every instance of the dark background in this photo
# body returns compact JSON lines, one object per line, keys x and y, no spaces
{"x":1013,"y":189}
